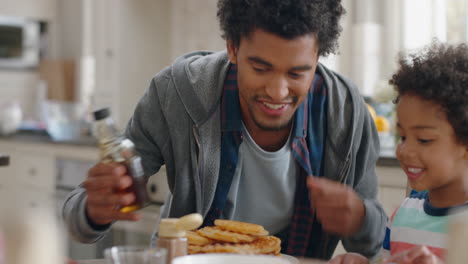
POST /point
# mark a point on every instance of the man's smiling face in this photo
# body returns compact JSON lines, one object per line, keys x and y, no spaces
{"x":274,"y":76}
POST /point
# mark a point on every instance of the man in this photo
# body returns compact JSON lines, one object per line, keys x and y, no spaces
{"x":261,"y":133}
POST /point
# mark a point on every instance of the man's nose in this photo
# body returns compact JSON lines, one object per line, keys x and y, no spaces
{"x":277,"y":88}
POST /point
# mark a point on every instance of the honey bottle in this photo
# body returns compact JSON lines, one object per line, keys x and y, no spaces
{"x":116,"y":148}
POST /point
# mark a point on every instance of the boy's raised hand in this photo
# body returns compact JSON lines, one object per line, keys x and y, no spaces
{"x":339,"y":209}
{"x":417,"y":254}
{"x":349,"y":258}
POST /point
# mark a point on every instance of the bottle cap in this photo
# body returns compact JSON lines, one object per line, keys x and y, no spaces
{"x":167,"y":228}
{"x":4,"y":160}
{"x":189,"y":222}
{"x":101,"y":114}
{"x":177,"y":227}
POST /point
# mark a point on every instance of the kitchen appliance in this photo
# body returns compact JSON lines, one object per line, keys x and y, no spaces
{"x":19,"y":42}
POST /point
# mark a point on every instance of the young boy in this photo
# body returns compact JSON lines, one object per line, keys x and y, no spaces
{"x":432,"y":112}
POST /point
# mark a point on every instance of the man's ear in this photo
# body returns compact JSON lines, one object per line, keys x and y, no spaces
{"x":466,"y":153}
{"x":232,"y":51}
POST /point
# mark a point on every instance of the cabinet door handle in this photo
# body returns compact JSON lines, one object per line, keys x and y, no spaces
{"x":153,"y":188}
{"x":32,"y":171}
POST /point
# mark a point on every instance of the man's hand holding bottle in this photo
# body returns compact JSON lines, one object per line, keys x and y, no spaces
{"x":105,"y":187}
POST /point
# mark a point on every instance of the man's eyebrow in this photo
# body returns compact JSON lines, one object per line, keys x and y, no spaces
{"x":301,"y":68}
{"x":260,"y":61}
{"x":265,"y":63}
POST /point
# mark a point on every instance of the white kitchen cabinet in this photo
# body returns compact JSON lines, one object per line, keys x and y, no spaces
{"x":29,"y":167}
{"x":30,"y":179}
{"x":35,"y":170}
{"x":37,"y":9}
{"x":29,"y":182}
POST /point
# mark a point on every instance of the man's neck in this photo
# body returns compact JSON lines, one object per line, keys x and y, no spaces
{"x":268,"y":140}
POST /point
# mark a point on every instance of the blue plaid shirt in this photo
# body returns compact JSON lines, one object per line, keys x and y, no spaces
{"x":307,"y":146}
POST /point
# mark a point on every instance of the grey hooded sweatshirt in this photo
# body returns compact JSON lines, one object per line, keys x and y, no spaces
{"x":177,"y":122}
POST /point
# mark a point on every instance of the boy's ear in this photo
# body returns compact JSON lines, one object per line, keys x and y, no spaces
{"x":232,"y":51}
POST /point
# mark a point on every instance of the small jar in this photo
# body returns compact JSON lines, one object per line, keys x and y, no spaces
{"x":173,"y":237}
{"x":174,"y":240}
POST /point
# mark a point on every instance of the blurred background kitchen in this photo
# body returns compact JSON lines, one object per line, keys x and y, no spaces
{"x":61,"y":59}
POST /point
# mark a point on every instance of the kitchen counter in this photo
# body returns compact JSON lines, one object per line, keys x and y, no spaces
{"x":29,"y":136}
{"x":92,"y":261}
{"x":387,"y":156}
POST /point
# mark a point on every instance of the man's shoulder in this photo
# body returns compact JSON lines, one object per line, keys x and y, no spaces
{"x":194,"y":81}
{"x":196,"y":70}
{"x":343,"y":97}
{"x":331,"y":75}
{"x":341,"y":91}
{"x":199,"y":61}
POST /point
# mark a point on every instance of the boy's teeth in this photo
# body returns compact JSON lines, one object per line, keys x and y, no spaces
{"x":274,"y":106}
{"x":414,"y":170}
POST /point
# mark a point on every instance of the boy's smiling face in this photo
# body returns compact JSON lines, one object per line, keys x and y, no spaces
{"x":428,"y":151}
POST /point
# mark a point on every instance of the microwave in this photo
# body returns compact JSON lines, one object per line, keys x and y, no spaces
{"x":19,"y":43}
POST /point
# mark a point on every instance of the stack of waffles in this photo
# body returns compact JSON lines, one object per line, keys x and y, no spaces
{"x":228,"y":236}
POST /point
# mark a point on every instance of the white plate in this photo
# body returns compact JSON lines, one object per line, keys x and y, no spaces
{"x":291,"y":259}
{"x":232,"y":259}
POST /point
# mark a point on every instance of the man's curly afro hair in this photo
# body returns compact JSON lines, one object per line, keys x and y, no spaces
{"x":285,"y":18}
{"x":439,"y":74}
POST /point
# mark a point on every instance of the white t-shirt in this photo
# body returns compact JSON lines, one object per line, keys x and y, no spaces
{"x":263,"y":186}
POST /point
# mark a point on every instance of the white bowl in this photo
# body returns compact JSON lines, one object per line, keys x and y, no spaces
{"x":229,"y":259}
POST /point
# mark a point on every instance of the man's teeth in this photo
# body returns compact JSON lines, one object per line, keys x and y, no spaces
{"x":274,"y":106}
{"x":414,"y":170}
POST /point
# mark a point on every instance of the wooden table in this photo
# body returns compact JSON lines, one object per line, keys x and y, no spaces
{"x":311,"y":261}
{"x":93,"y":261}
{"x":301,"y":261}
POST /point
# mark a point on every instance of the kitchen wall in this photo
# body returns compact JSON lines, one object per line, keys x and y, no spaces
{"x":133,"y":40}
{"x":142,"y":47}
{"x":19,"y":86}
{"x":194,"y":26}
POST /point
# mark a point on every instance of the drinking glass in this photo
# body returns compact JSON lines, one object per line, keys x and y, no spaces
{"x":135,"y":255}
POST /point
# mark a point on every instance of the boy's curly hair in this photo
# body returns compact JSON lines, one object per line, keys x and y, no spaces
{"x":438,"y":74}
{"x":285,"y":18}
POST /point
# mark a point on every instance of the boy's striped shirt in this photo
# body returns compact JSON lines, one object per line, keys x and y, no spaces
{"x":416,"y":222}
